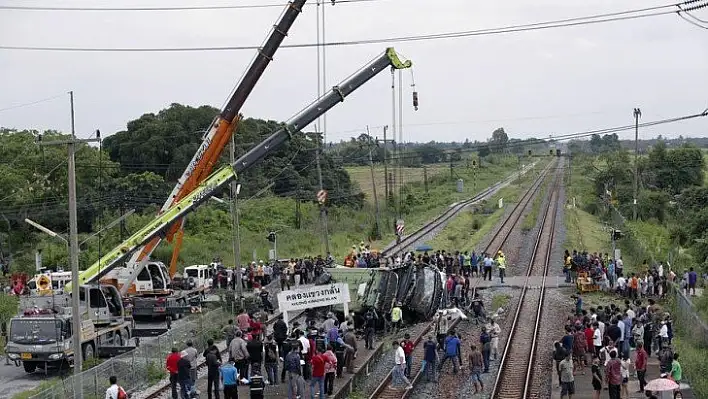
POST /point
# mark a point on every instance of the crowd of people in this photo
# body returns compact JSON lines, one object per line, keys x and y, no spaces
{"x":609,"y":275}
{"x":605,"y":339}
{"x":314,"y":354}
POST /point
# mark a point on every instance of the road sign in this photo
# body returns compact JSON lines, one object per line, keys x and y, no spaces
{"x":321,"y":196}
{"x":400,"y":226}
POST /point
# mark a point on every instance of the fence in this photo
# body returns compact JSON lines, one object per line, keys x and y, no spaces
{"x":144,"y":366}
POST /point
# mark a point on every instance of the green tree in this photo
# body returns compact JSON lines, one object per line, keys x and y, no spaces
{"x":499,"y":140}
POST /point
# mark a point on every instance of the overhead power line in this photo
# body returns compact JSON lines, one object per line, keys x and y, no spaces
{"x":561,"y":23}
{"x":181,"y":8}
{"x":43,"y":100}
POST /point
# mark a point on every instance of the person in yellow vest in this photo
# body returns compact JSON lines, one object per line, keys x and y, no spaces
{"x":501,"y":264}
{"x":396,"y":317}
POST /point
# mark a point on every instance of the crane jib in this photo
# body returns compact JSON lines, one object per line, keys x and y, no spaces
{"x":220,"y":178}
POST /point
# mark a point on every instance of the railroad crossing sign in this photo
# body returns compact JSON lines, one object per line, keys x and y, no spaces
{"x":321,"y":196}
{"x":400,"y":226}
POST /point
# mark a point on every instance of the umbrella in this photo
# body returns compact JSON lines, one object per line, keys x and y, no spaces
{"x":423,"y":248}
{"x":661,"y":384}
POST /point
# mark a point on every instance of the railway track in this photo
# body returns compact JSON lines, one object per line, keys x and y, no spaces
{"x":451,"y":212}
{"x":516,"y":366}
{"x":383,"y":390}
{"x":164,"y":391}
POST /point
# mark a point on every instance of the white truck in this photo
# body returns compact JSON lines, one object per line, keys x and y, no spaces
{"x":42,"y":337}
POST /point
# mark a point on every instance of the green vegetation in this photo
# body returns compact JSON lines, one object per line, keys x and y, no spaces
{"x":139,"y":166}
{"x":465,"y":231}
{"x":584,"y":232}
{"x":672,"y":222}
{"x":500,"y":301}
{"x":530,"y":219}
{"x":361,"y":175}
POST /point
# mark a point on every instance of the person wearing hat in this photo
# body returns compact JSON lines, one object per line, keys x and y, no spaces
{"x":396,"y":317}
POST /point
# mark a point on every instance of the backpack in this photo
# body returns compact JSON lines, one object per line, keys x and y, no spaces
{"x":121,"y":393}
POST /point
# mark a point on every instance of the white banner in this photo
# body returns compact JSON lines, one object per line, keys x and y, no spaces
{"x":319,"y":295}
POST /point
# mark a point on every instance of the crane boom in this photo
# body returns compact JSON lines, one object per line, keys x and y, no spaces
{"x":216,"y":138}
{"x":218,"y":180}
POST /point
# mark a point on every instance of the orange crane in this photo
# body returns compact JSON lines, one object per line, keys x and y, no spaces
{"x":204,"y":160}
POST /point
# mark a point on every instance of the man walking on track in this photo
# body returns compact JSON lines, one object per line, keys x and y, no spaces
{"x":398,"y":377}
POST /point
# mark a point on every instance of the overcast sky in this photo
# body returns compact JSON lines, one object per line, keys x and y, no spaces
{"x":553,"y":81}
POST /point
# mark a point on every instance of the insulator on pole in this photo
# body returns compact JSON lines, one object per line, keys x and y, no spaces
{"x":415,"y":100}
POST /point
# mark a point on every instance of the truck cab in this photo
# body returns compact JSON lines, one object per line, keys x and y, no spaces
{"x":41,"y":336}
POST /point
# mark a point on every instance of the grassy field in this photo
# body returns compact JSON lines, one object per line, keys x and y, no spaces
{"x":467,"y":230}
{"x":584,"y":232}
{"x":362,"y":176}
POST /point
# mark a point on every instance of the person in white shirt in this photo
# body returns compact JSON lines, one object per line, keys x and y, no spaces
{"x":601,"y":326}
{"x":620,"y":324}
{"x":664,"y":332}
{"x":631,"y":314}
{"x":398,"y":376}
{"x":597,"y":338}
{"x":114,"y":390}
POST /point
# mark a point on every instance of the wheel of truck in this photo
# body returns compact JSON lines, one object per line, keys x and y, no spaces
{"x":88,"y":351}
{"x":30,"y":367}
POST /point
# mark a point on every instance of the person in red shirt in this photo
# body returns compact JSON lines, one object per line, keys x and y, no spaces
{"x":171,"y":366}
{"x":640,"y":364}
{"x":318,"y":374}
{"x":589,"y":334}
{"x":256,"y":328}
{"x":408,"y":347}
{"x":613,"y":375}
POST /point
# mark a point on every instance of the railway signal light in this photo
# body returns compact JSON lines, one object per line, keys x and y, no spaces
{"x":617,"y":234}
{"x":529,"y":152}
{"x":271,"y":236}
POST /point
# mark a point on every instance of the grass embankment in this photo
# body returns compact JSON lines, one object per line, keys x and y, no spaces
{"x":530,"y":219}
{"x":362,"y":175}
{"x":465,"y":231}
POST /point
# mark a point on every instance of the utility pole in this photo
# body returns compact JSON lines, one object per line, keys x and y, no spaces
{"x":236,"y":228}
{"x":373,"y":185}
{"x":425,"y":178}
{"x":321,"y":82}
{"x":323,"y":209}
{"x":452,"y":168}
{"x":73,"y":246}
{"x":637,"y":115}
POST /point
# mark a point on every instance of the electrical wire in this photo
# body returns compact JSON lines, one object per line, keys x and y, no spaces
{"x":567,"y":22}
{"x":32,"y":103}
{"x":680,"y":14}
{"x":181,"y":8}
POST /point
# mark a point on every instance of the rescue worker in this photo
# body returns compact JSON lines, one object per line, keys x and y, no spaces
{"x":396,"y":317}
{"x":501,"y":263}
